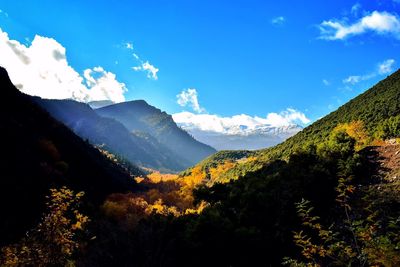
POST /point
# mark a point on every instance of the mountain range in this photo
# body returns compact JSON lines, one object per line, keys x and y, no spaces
{"x":136,"y":131}
{"x":241,"y":137}
{"x":140,"y":117}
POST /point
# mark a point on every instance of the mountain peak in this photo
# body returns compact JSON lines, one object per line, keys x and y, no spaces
{"x":4,"y":78}
{"x":138,"y":115}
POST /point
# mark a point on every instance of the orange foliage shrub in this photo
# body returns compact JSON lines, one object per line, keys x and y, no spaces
{"x":168,"y":194}
{"x":156,"y":177}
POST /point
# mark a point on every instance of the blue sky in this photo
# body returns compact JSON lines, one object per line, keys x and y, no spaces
{"x":241,"y":57}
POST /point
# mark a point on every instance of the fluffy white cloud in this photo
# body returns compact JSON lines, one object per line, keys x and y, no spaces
{"x":230,"y":125}
{"x":190,"y":97}
{"x":278,"y":20}
{"x":147,"y":67}
{"x":382,"y":68}
{"x":103,"y":85}
{"x":42,"y":69}
{"x":377,"y":22}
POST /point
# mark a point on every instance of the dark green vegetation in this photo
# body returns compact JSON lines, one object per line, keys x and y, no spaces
{"x":377,"y":104}
{"x":138,"y":116}
{"x":40,"y":153}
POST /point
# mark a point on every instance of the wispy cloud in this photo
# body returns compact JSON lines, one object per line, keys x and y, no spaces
{"x":189,"y":97}
{"x":278,"y":20}
{"x":143,"y":65}
{"x":150,"y":69}
{"x":382,"y":23}
{"x":129,"y":45}
{"x":354,"y":79}
{"x":42,"y":69}
{"x":382,"y":68}
{"x":2,"y":12}
{"x":386,"y":66}
{"x":355,"y":9}
{"x":326,"y":82}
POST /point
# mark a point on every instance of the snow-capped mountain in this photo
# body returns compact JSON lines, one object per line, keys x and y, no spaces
{"x":244,"y":140}
{"x":241,"y":132}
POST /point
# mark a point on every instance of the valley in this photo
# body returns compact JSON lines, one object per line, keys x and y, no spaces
{"x":199,"y":133}
{"x":340,"y":171}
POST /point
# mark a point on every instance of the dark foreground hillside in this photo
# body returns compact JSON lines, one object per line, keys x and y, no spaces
{"x":39,"y":153}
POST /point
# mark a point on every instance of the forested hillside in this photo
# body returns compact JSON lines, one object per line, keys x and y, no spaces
{"x":378,"y":109}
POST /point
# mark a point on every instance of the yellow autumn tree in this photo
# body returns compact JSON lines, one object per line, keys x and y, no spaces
{"x":356,"y":130}
{"x":55,"y":240}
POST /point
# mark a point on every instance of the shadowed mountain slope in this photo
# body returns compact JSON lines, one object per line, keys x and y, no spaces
{"x":142,"y":117}
{"x":137,"y":148}
{"x":40,"y":153}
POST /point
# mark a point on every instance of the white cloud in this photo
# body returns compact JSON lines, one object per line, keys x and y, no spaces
{"x":386,"y":66}
{"x":382,"y":68}
{"x":129,"y":46}
{"x":147,"y":67}
{"x":42,"y":69}
{"x":353,"y":79}
{"x":278,"y":20}
{"x":103,"y":85}
{"x":143,"y":66}
{"x":231,"y":125}
{"x":190,"y":97}
{"x":383,"y":23}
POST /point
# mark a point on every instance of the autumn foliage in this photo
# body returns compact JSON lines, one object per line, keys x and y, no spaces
{"x":167,"y":194}
{"x":55,"y":239}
